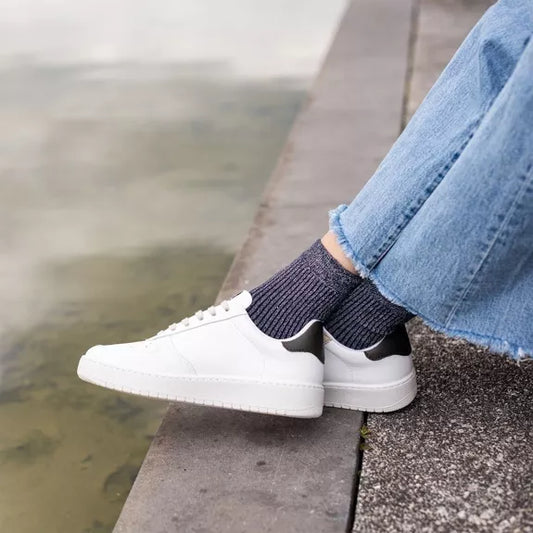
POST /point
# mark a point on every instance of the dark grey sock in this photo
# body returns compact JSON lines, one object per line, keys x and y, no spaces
{"x":365,"y":317}
{"x":309,"y":288}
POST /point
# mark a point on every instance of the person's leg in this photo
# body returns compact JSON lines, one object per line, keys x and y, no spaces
{"x":445,"y":226}
{"x":414,"y":171}
{"x":331,"y":244}
{"x":437,"y":134}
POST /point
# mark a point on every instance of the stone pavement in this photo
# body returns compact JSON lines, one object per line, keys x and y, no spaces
{"x":457,"y":459}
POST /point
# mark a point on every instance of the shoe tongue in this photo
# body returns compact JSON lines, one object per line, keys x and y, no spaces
{"x":243,"y":299}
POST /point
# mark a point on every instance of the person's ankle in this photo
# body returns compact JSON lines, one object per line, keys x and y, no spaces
{"x":311,"y":287}
{"x":331,"y":244}
{"x":364,"y":317}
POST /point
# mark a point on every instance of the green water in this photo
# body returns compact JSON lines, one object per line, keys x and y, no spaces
{"x":70,"y":451}
{"x":126,"y":187}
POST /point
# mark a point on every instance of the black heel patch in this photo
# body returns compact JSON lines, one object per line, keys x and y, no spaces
{"x":396,"y":343}
{"x":311,"y":340}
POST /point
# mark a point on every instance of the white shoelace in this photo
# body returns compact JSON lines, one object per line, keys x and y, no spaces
{"x":199,"y":315}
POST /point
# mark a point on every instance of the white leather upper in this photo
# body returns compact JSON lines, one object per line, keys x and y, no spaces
{"x":344,"y":365}
{"x":224,"y":344}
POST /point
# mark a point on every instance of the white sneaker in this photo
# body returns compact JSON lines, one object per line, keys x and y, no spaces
{"x":378,"y":379}
{"x":218,"y":357}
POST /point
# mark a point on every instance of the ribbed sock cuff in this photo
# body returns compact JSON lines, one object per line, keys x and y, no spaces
{"x":364,"y":317}
{"x":309,"y":288}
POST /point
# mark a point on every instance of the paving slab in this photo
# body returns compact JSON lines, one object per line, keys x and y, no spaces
{"x":215,"y":470}
{"x":230,"y":472}
{"x":459,"y":458}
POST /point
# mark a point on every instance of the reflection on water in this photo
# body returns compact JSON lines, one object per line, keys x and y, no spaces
{"x":125,"y":188}
{"x":98,"y":160}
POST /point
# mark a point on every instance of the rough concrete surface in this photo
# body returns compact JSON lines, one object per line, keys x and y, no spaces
{"x":216,"y":470}
{"x":459,"y":458}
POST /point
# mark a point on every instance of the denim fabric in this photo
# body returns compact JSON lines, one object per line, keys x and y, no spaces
{"x":445,"y":226}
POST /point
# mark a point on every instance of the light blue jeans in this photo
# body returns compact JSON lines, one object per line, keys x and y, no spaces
{"x":445,"y":225}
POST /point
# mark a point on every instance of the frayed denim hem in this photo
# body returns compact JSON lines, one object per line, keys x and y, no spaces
{"x":495,"y":344}
{"x":336,"y":227}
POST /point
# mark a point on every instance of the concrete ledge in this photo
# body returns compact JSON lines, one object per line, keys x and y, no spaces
{"x":215,"y":470}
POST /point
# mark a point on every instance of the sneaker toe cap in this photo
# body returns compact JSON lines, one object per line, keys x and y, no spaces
{"x":158,"y":358}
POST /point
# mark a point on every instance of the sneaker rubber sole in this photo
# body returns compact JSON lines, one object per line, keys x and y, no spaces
{"x":371,"y":398}
{"x":299,"y":400}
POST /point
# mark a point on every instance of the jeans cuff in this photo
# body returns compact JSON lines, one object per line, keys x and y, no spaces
{"x":335,"y":225}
